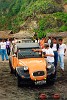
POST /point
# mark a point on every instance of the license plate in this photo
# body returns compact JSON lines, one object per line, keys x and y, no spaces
{"x":40,"y":82}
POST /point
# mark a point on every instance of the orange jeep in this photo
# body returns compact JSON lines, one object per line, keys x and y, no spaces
{"x":30,"y":67}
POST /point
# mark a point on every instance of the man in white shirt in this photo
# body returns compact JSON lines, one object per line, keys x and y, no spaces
{"x":61,"y":51}
{"x":3,"y":50}
{"x":48,"y":53}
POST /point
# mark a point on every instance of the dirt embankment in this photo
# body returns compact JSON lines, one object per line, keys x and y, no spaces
{"x":65,"y":8}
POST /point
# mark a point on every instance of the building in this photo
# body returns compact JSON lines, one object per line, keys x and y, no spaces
{"x":59,"y":35}
{"x":6,"y":34}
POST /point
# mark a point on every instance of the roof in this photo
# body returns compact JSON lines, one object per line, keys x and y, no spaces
{"x":6,"y":34}
{"x":27,"y":45}
{"x":23,"y":34}
{"x":58,"y":34}
{"x":24,"y":40}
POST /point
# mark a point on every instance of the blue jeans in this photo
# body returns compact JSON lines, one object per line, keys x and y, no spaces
{"x":0,"y":51}
{"x":61,"y":59}
{"x":55,"y":58}
{"x":8,"y":51}
{"x":4,"y":54}
{"x":55,"y":61}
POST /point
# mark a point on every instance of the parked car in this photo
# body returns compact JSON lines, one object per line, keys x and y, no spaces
{"x":24,"y":40}
{"x":30,"y":67}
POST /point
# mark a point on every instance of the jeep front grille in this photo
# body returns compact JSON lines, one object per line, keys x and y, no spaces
{"x":38,"y":73}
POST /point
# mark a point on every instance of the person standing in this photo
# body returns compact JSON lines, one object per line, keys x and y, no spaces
{"x":61,"y":51}
{"x":14,"y":47}
{"x":55,"y":46}
{"x":49,"y":41}
{"x":0,"y":48}
{"x":49,"y":54}
{"x":42,"y":41}
{"x":8,"y":46}
{"x":3,"y":50}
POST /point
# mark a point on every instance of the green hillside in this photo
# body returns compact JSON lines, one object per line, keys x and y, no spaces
{"x":49,"y":14}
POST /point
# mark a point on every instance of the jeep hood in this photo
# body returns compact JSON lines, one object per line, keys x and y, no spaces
{"x":34,"y":65}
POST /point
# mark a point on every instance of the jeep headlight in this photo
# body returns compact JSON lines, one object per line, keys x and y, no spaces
{"x":25,"y":68}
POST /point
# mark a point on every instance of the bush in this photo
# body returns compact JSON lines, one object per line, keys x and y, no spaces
{"x":19,"y":10}
{"x":63,"y":28}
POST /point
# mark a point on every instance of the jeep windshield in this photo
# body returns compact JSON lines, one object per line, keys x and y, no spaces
{"x":28,"y":53}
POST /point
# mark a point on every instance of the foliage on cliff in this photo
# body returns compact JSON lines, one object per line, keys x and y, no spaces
{"x":13,"y":13}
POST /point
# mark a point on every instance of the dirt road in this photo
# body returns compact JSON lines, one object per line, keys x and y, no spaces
{"x":10,"y":91}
